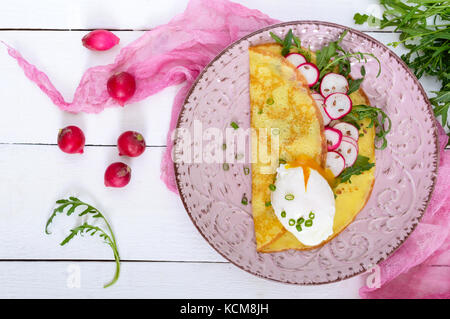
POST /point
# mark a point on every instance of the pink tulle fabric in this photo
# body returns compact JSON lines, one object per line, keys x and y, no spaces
{"x":420,"y":268}
{"x":167,"y":55}
{"x":177,"y":52}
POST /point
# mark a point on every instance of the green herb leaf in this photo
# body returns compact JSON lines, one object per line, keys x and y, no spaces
{"x":425,"y":33}
{"x":360,"y":18}
{"x":377,"y":117}
{"x":287,"y":43}
{"x":276,"y":38}
{"x":362,"y":164}
{"x":353,"y":85}
{"x":108,"y":236}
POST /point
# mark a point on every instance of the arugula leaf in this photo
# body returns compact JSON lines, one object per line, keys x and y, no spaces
{"x":291,"y":40}
{"x":276,"y":38}
{"x":425,"y":33}
{"x":360,"y":18}
{"x":441,"y":103}
{"x":108,"y":236}
{"x":377,"y":117}
{"x":287,"y":43}
{"x":333,"y":56}
{"x":353,"y":85}
{"x":328,"y":52}
{"x":361,"y":165}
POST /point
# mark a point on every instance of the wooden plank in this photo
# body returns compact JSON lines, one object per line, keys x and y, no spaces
{"x":149,"y":221}
{"x":154,"y":280}
{"x":144,"y":14}
{"x":28,"y":116}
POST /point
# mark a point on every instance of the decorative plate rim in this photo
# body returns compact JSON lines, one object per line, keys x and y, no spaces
{"x":392,"y":55}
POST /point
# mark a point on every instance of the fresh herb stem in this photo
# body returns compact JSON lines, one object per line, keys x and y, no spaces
{"x":360,"y":56}
{"x":72,"y":203}
{"x":425,"y":22}
{"x":377,"y":117}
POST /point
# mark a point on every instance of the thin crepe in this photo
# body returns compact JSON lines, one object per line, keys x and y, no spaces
{"x":280,"y":99}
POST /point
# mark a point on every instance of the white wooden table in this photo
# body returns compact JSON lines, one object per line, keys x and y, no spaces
{"x":163,"y":254}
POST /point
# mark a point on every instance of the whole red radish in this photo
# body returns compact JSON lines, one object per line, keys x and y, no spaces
{"x":100,"y":40}
{"x":71,"y":140}
{"x":121,"y":87}
{"x":117,"y":175}
{"x":131,"y":144}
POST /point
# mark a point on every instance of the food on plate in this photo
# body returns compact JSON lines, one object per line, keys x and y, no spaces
{"x":131,"y":144}
{"x":71,"y":140}
{"x":280,"y":99}
{"x":313,"y":196}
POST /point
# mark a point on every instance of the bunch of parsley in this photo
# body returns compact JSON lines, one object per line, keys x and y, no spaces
{"x":425,"y":32}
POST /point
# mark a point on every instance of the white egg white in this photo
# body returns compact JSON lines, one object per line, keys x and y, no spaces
{"x":318,"y":198}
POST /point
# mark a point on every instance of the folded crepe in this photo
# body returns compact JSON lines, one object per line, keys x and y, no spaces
{"x":294,"y":112}
{"x":281,"y":104}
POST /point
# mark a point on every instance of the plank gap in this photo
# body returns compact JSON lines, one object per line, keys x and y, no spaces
{"x":141,"y":30}
{"x":87,"y":145}
{"x":111,"y":260}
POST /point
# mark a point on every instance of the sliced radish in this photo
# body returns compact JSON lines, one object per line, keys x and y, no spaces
{"x":348,"y":150}
{"x":333,"y":123}
{"x":338,"y":105}
{"x":333,"y":83}
{"x":310,"y":72}
{"x":335,"y":162}
{"x":319,"y":101}
{"x":351,"y":140}
{"x":334,"y":138}
{"x":317,"y":96}
{"x":347,"y":129}
{"x":296,"y":59}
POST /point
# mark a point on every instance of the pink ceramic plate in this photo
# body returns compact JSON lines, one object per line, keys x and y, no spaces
{"x":405,"y":170}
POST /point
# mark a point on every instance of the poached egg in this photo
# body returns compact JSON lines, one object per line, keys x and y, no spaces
{"x":304,"y":203}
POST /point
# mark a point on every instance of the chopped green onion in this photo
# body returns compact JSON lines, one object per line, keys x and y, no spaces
{"x":246,"y":170}
{"x":311,"y":215}
{"x":300,"y":220}
{"x":268,"y":204}
{"x":224,"y":146}
{"x":308,"y":223}
{"x":299,"y":228}
{"x":270,"y":101}
{"x":244,"y":200}
{"x":272,"y":187}
{"x":226,"y":166}
{"x":289,"y":197}
{"x":234,"y":125}
{"x":283,"y":214}
{"x":281,"y":161}
{"x":260,"y":111}
{"x":291,"y":222}
{"x":276,"y":131}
